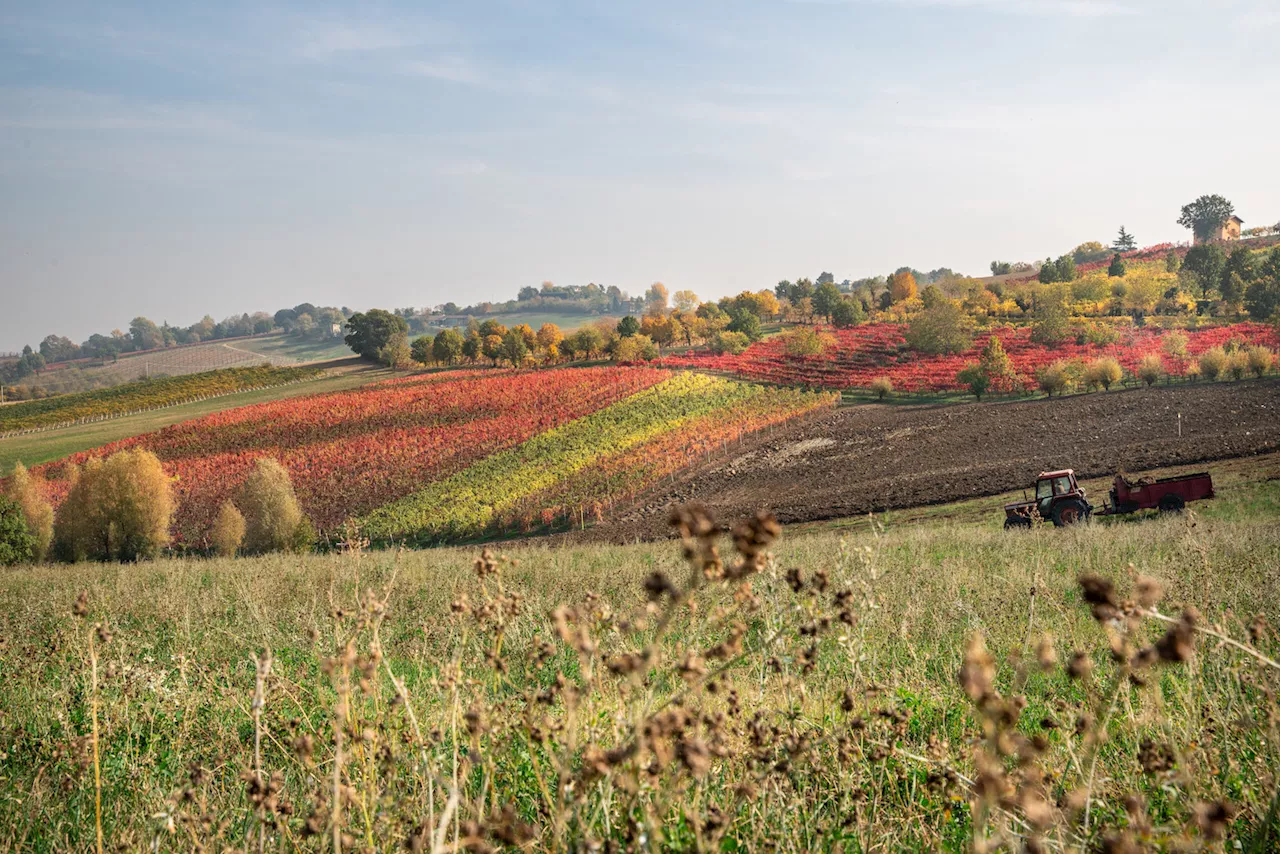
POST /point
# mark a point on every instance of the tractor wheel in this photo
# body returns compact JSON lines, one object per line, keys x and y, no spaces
{"x":1172,"y":504}
{"x":1017,"y":523}
{"x":1070,"y":512}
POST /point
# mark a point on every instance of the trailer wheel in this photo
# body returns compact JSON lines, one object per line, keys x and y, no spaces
{"x":1172,"y":504}
{"x":1070,"y":512}
{"x":1017,"y":523}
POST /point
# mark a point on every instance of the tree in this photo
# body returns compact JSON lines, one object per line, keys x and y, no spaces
{"x":1051,"y":315}
{"x":747,"y":324}
{"x":1116,"y":268}
{"x":55,"y":348}
{"x":117,"y":509}
{"x":767,"y":304}
{"x":825,"y":299}
{"x":975,"y":379}
{"x":447,"y":346}
{"x":1172,"y":263}
{"x":371,"y":331}
{"x":902,"y":286}
{"x":997,"y":365}
{"x":515,"y":348}
{"x":1087,"y":253}
{"x":491,"y":327}
{"x":944,"y":328}
{"x":16,"y":543}
{"x":145,"y":334}
{"x":1054,"y":377}
{"x":472,"y":347}
{"x":397,"y":353}
{"x":272,"y":515}
{"x":804,"y":341}
{"x":847,"y":313}
{"x":1124,"y":241}
{"x":731,"y":343}
{"x":491,"y":346}
{"x":656,"y":296}
{"x":1237,"y":273}
{"x":28,"y":493}
{"x":228,"y":530}
{"x":1151,"y":369}
{"x":1205,"y":263}
{"x":1206,"y":215}
{"x":882,"y":386}
{"x":549,"y":338}
{"x":1213,"y":362}
{"x":687,"y":301}
{"x":586,"y":343}
{"x":1260,"y":360}
{"x":1001,"y":268}
{"x":628,"y":326}
{"x":420,"y":350}
{"x":635,"y":348}
{"x":1104,"y":371}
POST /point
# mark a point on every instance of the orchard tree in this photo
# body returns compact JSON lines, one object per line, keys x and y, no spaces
{"x":656,"y":296}
{"x":1206,"y":215}
{"x":975,"y":379}
{"x":997,"y":365}
{"x":628,"y":326}
{"x":685,"y":301}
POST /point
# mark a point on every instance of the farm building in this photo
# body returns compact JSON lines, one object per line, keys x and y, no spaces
{"x":1229,"y":230}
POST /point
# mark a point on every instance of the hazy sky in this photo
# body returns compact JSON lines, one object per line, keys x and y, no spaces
{"x":172,"y":159}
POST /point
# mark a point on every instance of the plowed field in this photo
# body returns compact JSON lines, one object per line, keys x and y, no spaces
{"x":872,"y":458}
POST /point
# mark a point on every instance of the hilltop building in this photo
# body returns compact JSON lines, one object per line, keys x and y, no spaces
{"x":1229,"y":230}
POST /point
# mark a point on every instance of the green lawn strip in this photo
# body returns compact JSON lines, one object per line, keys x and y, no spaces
{"x":464,"y":504}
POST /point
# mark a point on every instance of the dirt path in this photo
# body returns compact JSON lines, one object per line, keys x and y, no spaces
{"x":874,"y":458}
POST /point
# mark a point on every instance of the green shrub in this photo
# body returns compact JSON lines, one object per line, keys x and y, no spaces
{"x":16,"y":543}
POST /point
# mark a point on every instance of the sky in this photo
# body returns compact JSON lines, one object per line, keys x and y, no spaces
{"x":173,"y":159}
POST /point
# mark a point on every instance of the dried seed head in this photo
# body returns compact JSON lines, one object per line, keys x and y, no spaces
{"x":1046,"y":655}
{"x":1080,"y":665}
{"x":81,"y":606}
{"x":1100,"y":593}
{"x":1179,"y":641}
{"x":978,"y":672}
{"x":1213,"y":818}
{"x":1148,"y":591}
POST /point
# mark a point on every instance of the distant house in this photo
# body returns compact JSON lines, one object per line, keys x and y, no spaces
{"x":1229,"y":230}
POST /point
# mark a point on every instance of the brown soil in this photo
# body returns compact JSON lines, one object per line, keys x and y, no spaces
{"x":874,"y":458}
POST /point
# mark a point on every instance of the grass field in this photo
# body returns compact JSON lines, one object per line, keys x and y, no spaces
{"x":563,"y":697}
{"x":36,"y":448}
{"x":284,"y":350}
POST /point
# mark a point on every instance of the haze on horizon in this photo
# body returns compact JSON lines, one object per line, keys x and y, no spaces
{"x":177,"y":159}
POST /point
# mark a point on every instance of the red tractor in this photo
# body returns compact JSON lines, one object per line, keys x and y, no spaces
{"x":1061,"y":500}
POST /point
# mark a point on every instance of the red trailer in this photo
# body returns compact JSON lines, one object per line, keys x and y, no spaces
{"x":1168,"y":494}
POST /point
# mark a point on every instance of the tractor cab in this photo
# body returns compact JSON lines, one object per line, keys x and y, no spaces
{"x":1059,"y":499}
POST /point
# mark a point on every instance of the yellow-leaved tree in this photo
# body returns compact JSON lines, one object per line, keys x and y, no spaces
{"x":273,"y":518}
{"x":27,"y":491}
{"x":120,"y":508}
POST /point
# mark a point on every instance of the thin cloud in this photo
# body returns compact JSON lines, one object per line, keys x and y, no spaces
{"x":1045,"y":8}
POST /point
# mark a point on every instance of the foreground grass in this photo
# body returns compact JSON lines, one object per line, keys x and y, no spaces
{"x":54,"y":444}
{"x":432,"y":702}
